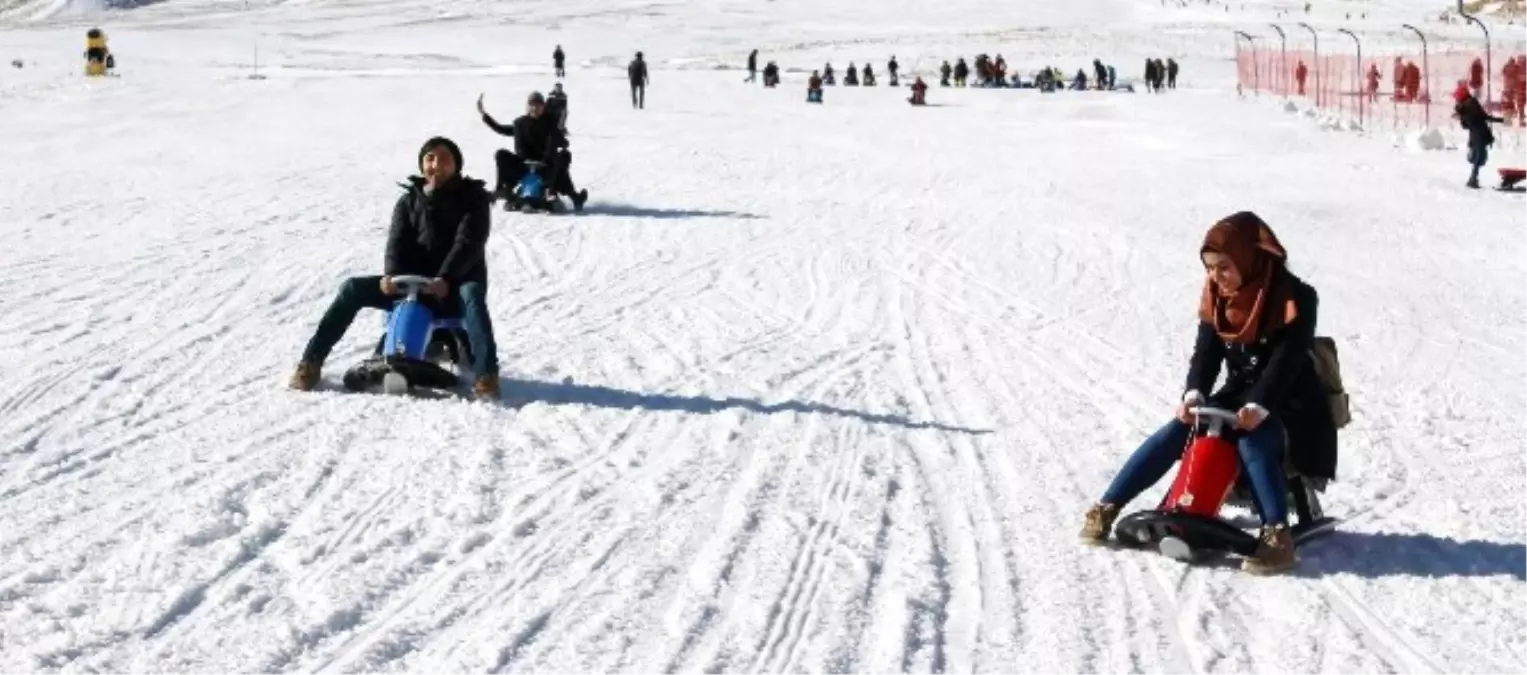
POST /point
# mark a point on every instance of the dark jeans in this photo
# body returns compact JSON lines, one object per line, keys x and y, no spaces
{"x":561,"y":72}
{"x":357,"y":293}
{"x":1478,"y":156}
{"x":1261,"y":454}
{"x":511,"y":168}
{"x":638,"y":95}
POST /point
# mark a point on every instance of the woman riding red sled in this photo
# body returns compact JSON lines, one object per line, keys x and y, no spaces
{"x":1257,"y":322}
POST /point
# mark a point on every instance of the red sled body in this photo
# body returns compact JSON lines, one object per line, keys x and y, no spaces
{"x":1204,"y":480}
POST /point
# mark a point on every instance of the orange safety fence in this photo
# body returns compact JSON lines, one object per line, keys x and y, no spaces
{"x":1403,"y":92}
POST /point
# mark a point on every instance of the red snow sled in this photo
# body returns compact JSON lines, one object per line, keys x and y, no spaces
{"x":1510,"y":179}
{"x":1187,"y":525}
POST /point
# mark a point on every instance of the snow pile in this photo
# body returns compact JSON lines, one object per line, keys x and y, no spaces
{"x":1424,"y":140}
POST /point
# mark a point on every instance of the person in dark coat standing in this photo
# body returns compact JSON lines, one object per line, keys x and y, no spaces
{"x":752,"y":66}
{"x":637,"y":72}
{"x":891,"y":67}
{"x":1472,"y":116}
{"x":1171,"y":73}
{"x":944,"y":72}
{"x":558,"y":60}
{"x":1257,"y":322}
{"x":439,"y":230}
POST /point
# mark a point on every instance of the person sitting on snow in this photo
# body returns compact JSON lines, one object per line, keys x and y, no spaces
{"x":771,"y":75}
{"x":814,"y":88}
{"x":919,"y":91}
{"x":537,"y":137}
{"x":1257,"y":320}
{"x":439,"y":230}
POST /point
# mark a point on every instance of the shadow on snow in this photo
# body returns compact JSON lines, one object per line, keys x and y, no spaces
{"x":609,"y":397}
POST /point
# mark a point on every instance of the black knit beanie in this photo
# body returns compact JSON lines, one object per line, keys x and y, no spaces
{"x":448,"y":144}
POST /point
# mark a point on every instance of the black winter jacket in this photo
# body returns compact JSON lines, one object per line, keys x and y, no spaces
{"x":443,"y":234}
{"x":1278,"y":373}
{"x":535,"y":138}
{"x":1472,"y":116}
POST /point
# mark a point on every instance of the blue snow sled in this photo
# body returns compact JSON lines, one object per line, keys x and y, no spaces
{"x":419,"y":349}
{"x":813,"y":95}
{"x":529,"y":194}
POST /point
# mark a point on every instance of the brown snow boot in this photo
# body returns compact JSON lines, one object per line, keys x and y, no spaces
{"x":1099,"y":522}
{"x":486,"y":388}
{"x":306,"y":376}
{"x":1275,"y":553}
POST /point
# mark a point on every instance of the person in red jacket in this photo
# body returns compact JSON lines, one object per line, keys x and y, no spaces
{"x":1301,"y":72}
{"x":1413,"y":82}
{"x":919,"y":90}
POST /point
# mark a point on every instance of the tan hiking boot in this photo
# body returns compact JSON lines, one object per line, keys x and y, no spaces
{"x":1275,"y":554}
{"x":1099,"y":522}
{"x":306,"y":377}
{"x":486,"y":388}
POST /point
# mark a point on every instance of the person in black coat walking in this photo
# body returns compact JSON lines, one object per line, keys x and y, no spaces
{"x":558,"y":60}
{"x":439,"y":230}
{"x":1472,"y":116}
{"x":752,"y":66}
{"x":1257,"y":322}
{"x":637,"y":72}
{"x":1171,"y":73}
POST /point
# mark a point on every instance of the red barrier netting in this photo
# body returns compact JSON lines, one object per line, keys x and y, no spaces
{"x":1402,"y":92}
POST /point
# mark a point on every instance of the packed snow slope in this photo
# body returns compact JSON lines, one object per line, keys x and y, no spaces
{"x":813,"y":388}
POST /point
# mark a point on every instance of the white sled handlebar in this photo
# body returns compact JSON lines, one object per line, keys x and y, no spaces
{"x":1219,"y":413}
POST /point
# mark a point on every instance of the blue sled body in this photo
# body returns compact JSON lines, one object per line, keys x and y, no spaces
{"x":416,"y":345}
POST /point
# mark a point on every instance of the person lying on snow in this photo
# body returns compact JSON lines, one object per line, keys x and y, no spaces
{"x":439,"y":230}
{"x":537,"y":137}
{"x":1257,"y":319}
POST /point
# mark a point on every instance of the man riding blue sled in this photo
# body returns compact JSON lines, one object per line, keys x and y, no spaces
{"x":438,"y":235}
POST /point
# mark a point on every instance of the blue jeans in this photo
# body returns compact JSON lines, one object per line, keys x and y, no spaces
{"x":357,"y":293}
{"x":1261,"y":455}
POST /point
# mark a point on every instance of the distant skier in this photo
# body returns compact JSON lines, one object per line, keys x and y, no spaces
{"x":559,"y":60}
{"x":637,"y":72}
{"x":891,"y":68}
{"x":439,"y":230}
{"x":1472,"y":116}
{"x":752,"y":66}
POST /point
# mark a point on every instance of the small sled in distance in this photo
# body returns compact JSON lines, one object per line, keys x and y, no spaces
{"x":1186,"y":526}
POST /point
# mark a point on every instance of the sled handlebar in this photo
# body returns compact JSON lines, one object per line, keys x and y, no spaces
{"x":410,"y":284}
{"x":1217,"y":418}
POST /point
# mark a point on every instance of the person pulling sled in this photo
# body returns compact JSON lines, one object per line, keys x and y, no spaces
{"x":436,"y":244}
{"x":1473,"y":117}
{"x":1257,"y":320}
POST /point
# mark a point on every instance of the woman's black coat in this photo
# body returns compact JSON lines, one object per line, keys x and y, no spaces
{"x":1276,"y":372}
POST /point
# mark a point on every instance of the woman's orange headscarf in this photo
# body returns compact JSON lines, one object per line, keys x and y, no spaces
{"x":1254,"y":250}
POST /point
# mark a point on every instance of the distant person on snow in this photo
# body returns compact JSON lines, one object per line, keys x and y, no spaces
{"x":1472,"y":116}
{"x":752,"y":66}
{"x":556,"y":106}
{"x":439,"y":230}
{"x":919,"y":92}
{"x":558,"y":60}
{"x":637,"y":72}
{"x":814,"y":88}
{"x":1101,"y":73}
{"x":537,"y":137}
{"x":869,"y":76}
{"x":827,"y":75}
{"x":1257,"y":321}
{"x":771,"y":75}
{"x":1171,"y":73}
{"x":891,"y":68}
{"x":851,"y":76}
{"x":944,"y":73}
{"x":961,"y":72}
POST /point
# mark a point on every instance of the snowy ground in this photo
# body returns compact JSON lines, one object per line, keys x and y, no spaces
{"x":815,"y":388}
